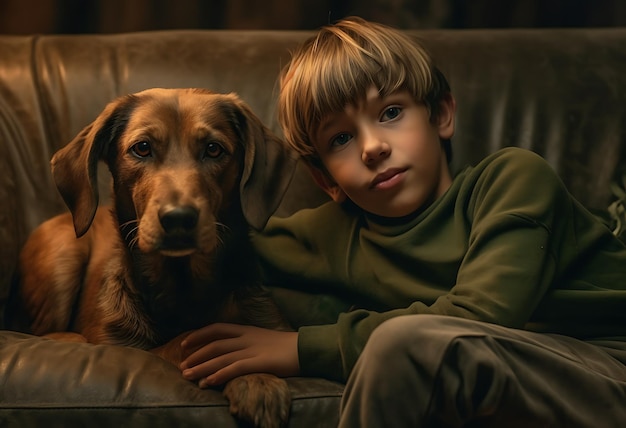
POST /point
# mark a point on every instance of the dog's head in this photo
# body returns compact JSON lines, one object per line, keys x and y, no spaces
{"x":180,"y":159}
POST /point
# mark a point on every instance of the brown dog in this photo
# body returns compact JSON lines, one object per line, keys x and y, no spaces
{"x":191,"y":171}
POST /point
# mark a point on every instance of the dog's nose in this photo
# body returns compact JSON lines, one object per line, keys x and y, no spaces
{"x":178,"y":219}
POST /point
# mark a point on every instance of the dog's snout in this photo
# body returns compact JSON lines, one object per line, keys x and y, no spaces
{"x":183,"y":219}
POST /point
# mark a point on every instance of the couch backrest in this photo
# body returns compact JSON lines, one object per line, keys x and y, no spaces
{"x":561,"y":93}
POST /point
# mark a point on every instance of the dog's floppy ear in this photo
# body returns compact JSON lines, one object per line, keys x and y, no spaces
{"x":269,"y":166}
{"x":75,"y":166}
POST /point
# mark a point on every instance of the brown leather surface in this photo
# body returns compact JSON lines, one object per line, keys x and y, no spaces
{"x":50,"y":383}
{"x":561,"y":93}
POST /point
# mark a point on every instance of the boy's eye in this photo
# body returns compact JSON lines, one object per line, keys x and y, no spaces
{"x":340,"y":140}
{"x":390,"y":113}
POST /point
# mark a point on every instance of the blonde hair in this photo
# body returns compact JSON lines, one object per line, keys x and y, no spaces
{"x":339,"y":64}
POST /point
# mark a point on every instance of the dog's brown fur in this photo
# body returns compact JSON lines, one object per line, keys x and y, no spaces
{"x":191,"y":171}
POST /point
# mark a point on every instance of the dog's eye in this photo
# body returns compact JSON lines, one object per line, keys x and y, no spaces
{"x":213,"y":150}
{"x":142,"y":149}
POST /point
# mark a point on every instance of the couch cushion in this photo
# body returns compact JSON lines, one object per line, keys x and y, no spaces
{"x":53,"y":383}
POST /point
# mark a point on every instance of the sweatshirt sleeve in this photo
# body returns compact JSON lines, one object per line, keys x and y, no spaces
{"x":304,"y":252}
{"x":519,"y":214}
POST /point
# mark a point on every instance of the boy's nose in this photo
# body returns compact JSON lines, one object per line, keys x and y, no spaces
{"x":374,"y":149}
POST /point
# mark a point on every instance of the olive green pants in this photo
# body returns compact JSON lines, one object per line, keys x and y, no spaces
{"x":436,"y":371}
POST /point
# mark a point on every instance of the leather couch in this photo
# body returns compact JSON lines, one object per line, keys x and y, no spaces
{"x":559,"y":92}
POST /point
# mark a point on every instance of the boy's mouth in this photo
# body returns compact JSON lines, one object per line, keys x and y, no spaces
{"x":387,"y":178}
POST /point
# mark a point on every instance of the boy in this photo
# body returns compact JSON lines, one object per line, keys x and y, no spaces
{"x":493,"y":298}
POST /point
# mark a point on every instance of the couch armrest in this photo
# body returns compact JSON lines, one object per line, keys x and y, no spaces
{"x":53,"y":383}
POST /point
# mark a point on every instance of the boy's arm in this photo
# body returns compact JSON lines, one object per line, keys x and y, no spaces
{"x":517,"y":214}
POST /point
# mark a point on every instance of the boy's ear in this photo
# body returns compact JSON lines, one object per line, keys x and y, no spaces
{"x":327,"y":184}
{"x":445,"y":119}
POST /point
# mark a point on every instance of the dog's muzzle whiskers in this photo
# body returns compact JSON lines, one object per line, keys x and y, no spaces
{"x":221,"y":229}
{"x":129,"y":231}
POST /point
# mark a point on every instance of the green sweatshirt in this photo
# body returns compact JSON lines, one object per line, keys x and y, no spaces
{"x":506,"y":244}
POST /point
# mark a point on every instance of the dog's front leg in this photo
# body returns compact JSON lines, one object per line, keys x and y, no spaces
{"x":261,"y":399}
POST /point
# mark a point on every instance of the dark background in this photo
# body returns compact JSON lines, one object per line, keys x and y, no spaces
{"x":109,"y":16}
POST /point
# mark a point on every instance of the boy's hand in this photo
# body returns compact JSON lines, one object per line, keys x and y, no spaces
{"x":220,"y":352}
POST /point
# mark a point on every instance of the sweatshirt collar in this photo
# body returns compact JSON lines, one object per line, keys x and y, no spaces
{"x":391,"y":226}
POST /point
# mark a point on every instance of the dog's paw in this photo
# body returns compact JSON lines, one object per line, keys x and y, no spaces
{"x":261,"y":399}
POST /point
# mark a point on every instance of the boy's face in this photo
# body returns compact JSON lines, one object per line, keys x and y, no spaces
{"x":385,"y":154}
